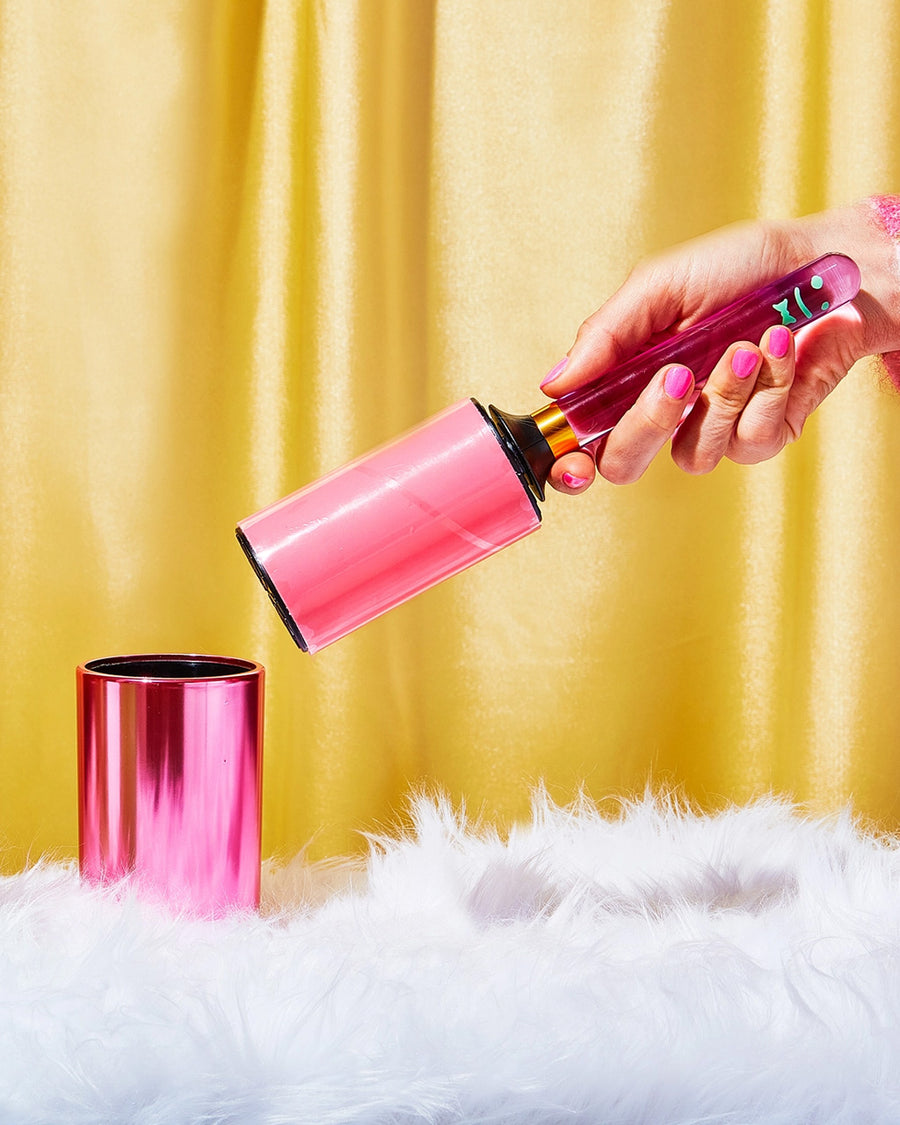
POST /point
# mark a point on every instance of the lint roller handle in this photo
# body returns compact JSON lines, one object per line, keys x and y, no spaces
{"x":800,"y":298}
{"x":583,"y":415}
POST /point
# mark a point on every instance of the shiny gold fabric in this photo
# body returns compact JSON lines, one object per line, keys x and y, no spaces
{"x":243,"y":241}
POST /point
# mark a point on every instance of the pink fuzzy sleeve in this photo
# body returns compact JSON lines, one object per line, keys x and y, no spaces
{"x":886,"y":209}
{"x":886,"y":213}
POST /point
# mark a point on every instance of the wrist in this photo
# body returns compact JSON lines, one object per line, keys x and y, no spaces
{"x":862,"y":230}
{"x":885,"y":214}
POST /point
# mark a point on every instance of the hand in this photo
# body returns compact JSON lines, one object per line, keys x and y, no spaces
{"x":761,"y":392}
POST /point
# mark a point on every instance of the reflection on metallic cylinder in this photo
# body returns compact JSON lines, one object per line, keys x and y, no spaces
{"x":169,"y":777}
{"x":387,"y":526}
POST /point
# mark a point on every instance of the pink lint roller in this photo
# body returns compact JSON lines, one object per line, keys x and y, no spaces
{"x":467,"y":482}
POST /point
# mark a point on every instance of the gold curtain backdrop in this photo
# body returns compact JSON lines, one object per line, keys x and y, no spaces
{"x":242,"y":242}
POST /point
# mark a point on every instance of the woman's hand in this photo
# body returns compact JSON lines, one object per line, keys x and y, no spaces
{"x":761,"y":392}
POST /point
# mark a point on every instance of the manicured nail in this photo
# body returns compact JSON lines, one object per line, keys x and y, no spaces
{"x":744,"y":362}
{"x":779,"y":342}
{"x":571,"y":481}
{"x":558,"y":370}
{"x":677,"y":381}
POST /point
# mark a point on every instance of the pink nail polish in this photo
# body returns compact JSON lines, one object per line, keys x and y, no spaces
{"x":571,"y":481}
{"x":558,"y":370}
{"x":677,"y":381}
{"x":779,"y":342}
{"x":744,"y":362}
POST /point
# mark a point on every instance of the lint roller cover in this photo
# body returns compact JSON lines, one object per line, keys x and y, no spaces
{"x":467,"y":482}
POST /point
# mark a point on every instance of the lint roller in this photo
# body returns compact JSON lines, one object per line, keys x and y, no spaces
{"x":467,"y":482}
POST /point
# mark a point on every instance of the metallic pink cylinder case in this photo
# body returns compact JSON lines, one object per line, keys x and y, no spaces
{"x":169,"y":777}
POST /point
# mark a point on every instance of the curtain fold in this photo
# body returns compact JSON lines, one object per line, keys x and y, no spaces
{"x":242,"y":242}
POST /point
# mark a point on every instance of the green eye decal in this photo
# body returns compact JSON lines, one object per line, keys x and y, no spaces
{"x":816,"y":282}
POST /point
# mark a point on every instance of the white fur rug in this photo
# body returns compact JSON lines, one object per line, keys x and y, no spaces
{"x":651,"y":966}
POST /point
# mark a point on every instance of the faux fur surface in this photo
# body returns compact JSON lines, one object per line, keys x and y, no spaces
{"x":647,"y":966}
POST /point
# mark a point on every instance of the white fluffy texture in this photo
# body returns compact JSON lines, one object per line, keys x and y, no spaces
{"x":652,"y":967}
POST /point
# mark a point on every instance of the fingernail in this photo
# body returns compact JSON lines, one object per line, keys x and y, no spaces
{"x":677,"y":381}
{"x":571,"y":481}
{"x":558,"y":370}
{"x":779,"y":342}
{"x":744,"y":362}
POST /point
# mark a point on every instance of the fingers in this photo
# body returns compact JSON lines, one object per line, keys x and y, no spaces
{"x":740,"y":413}
{"x":762,"y":430}
{"x":743,"y":413}
{"x":641,"y":433}
{"x":646,"y":427}
{"x":706,"y":434}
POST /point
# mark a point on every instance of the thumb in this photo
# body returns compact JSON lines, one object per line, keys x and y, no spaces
{"x":643,"y":309}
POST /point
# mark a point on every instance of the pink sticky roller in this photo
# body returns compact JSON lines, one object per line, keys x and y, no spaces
{"x":467,"y":482}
